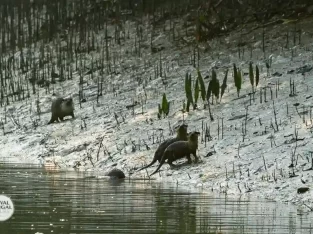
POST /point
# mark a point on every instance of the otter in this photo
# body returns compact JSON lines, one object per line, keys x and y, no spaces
{"x":60,"y":108}
{"x":181,"y":136}
{"x":180,"y":149}
{"x":116,"y":173}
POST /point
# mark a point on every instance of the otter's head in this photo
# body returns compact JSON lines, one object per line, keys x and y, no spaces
{"x":68,"y":102}
{"x":67,"y":105}
{"x":193,"y":138}
{"x":182,"y":132}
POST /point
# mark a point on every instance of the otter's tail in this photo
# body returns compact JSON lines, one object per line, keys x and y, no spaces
{"x":161,"y":163}
{"x":153,"y":162}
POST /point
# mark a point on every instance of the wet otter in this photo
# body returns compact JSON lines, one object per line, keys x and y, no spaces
{"x":60,"y":108}
{"x":116,"y":173}
{"x":180,"y":149}
{"x":181,"y":136}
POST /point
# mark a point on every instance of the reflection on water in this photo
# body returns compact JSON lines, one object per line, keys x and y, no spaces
{"x":72,"y":202}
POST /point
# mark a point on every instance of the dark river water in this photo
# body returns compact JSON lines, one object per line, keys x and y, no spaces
{"x":75,"y":202}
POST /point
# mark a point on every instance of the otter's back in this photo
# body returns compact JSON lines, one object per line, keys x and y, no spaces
{"x":179,"y":147}
{"x":165,"y":144}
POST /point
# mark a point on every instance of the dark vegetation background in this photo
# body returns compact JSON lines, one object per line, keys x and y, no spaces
{"x":27,"y":25}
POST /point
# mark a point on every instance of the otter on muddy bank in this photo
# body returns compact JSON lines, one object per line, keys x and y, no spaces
{"x":181,"y":136}
{"x":180,"y":149}
{"x":60,"y":108}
